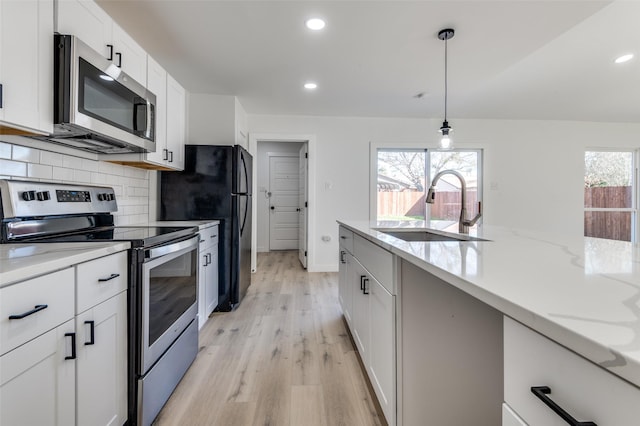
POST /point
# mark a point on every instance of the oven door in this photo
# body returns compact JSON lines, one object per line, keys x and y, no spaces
{"x":169,"y":287}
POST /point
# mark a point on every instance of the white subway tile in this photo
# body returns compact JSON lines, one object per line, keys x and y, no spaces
{"x":22,"y":153}
{"x":98,"y":178}
{"x":89,"y":165}
{"x":51,"y":158}
{"x":82,"y":176}
{"x":39,"y":171}
{"x":60,"y":173}
{"x":5,"y":150}
{"x":13,"y":168}
{"x":71,"y":162}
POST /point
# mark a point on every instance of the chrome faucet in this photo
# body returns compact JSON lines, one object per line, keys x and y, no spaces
{"x":464,"y":223}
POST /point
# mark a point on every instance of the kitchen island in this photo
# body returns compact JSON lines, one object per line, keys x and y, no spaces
{"x":578,"y":294}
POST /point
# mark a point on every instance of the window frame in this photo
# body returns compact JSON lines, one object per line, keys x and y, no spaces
{"x":374,"y":148}
{"x":635,"y":192}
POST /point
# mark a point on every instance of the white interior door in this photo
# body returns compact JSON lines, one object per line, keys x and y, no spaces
{"x":303,"y":167}
{"x":283,"y":214}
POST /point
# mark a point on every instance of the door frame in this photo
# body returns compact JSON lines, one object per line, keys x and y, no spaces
{"x":310,"y":139}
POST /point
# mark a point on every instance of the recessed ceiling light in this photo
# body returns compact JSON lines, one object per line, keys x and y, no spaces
{"x":310,"y":86}
{"x":315,"y":24}
{"x":624,"y":58}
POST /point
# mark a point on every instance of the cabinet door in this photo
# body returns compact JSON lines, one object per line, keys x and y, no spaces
{"x":176,"y":109}
{"x":26,"y":29}
{"x":361,"y":285}
{"x":202,"y":282}
{"x":345,"y":289}
{"x":129,"y":56}
{"x":382,"y":358}
{"x":102,"y":363}
{"x":212,"y":280}
{"x":87,"y":21}
{"x":157,"y":84}
{"x":37,"y":383}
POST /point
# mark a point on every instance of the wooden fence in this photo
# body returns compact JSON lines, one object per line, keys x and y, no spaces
{"x":412,"y":204}
{"x":611,"y":225}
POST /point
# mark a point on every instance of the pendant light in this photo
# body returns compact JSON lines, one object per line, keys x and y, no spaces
{"x":445,"y":141}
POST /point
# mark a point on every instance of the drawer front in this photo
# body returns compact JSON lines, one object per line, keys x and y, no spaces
{"x":581,"y":388}
{"x":208,"y":236}
{"x":346,"y":239}
{"x":55,"y":291}
{"x":376,"y":260}
{"x":101,"y":279}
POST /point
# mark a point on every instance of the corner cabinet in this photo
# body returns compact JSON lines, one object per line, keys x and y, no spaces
{"x":26,"y":67}
{"x":367,"y":296}
{"x":63,"y":346}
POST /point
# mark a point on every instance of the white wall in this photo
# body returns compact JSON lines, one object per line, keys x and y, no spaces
{"x":533,"y":170}
{"x":261,"y":166}
{"x":131,"y":185}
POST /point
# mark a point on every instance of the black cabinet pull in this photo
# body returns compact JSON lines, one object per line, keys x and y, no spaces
{"x":204,"y":259}
{"x":364,"y":286}
{"x":73,"y":345}
{"x":171,"y":156}
{"x":92,"y":331}
{"x":119,"y":55}
{"x":0,"y":95}
{"x":542,"y":392}
{"x":342,"y":259}
{"x":110,"y":46}
{"x":362,"y":277}
{"x":35,"y":309}
{"x":112,"y":276}
{"x":165,"y":154}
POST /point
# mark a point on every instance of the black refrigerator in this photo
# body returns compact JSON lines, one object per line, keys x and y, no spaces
{"x":216,"y":184}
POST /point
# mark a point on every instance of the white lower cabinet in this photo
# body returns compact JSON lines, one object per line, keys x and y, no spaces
{"x":102,"y":362}
{"x":61,"y":365}
{"x":370,"y":310}
{"x":37,"y":381}
{"x":583,"y":390}
{"x":207,"y":273}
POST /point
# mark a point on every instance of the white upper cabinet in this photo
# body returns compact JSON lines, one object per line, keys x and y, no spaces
{"x":26,"y":64}
{"x":157,"y":84}
{"x":86,"y":20}
{"x":176,"y":122}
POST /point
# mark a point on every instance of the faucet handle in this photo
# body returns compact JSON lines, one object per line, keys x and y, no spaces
{"x":476,"y":218}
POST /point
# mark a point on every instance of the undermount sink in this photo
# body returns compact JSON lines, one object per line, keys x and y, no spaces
{"x":422,"y":235}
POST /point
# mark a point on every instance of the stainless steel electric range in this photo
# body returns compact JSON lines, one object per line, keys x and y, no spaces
{"x":163,"y":265}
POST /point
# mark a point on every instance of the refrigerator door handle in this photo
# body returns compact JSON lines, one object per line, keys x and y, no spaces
{"x":246,"y":211}
{"x":246,"y":173}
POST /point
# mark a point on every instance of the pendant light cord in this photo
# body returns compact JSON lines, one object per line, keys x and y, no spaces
{"x":445,"y":79}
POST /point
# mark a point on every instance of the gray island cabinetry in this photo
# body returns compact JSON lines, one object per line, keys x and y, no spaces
{"x":479,"y":334}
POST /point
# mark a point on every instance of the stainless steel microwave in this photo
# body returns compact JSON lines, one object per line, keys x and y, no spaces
{"x":98,"y":107}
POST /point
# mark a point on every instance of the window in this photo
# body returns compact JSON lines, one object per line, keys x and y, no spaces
{"x":404,"y":175}
{"x":610,"y":195}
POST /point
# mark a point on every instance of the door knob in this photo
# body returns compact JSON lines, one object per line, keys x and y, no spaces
{"x":298,"y":209}
{"x":273,"y":208}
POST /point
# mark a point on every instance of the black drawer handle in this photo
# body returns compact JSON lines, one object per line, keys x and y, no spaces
{"x":92,"y":331}
{"x":73,"y":345}
{"x":112,"y":276}
{"x":35,"y":309}
{"x":362,"y":277}
{"x":342,"y":253}
{"x":364,"y":286}
{"x":542,"y":392}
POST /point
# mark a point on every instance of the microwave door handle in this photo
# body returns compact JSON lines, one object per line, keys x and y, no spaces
{"x":142,"y":105}
{"x":147,"y":131}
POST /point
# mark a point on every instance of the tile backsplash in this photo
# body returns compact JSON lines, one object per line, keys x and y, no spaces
{"x":130,"y":184}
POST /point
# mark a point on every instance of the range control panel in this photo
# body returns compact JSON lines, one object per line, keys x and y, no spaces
{"x":29,"y":199}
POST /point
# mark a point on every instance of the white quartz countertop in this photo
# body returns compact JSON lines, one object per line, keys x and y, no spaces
{"x":19,"y":262}
{"x":583,"y":293}
{"x":201,"y":224}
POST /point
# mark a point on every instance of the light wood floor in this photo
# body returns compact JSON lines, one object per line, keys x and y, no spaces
{"x":284,"y":357}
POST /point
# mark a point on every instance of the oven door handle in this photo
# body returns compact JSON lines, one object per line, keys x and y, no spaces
{"x":156,"y":252}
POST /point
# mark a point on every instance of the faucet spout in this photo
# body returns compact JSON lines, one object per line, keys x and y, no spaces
{"x":463,"y":222}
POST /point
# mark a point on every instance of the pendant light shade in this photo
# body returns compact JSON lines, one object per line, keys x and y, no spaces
{"x":445,"y":129}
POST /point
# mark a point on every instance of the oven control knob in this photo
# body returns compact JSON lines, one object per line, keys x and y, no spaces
{"x":43,"y":196}
{"x":111,"y":197}
{"x":29,"y":195}
{"x":101,"y":197}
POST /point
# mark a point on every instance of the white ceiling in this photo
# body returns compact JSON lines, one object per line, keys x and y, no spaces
{"x":545,"y":59}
